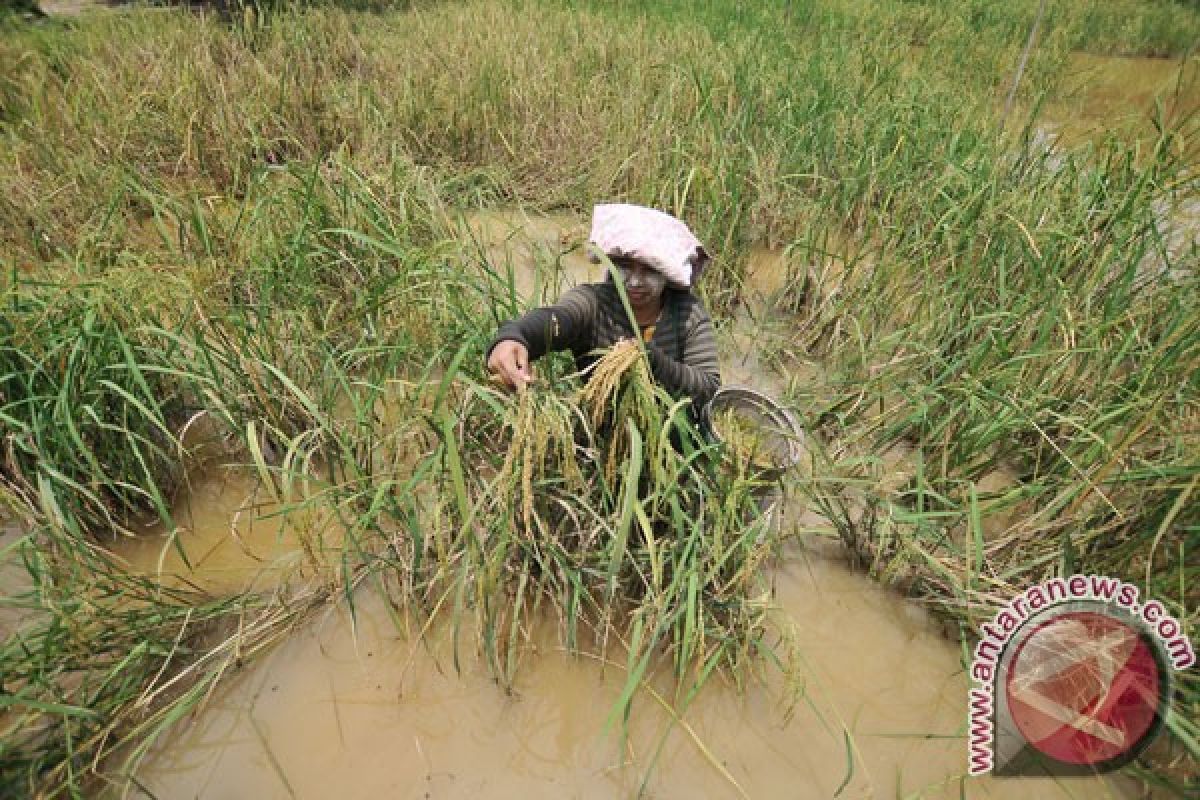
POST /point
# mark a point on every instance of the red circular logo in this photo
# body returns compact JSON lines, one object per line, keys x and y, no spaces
{"x":1084,"y":688}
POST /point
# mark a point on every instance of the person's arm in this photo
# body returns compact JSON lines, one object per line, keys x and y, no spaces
{"x":561,"y":326}
{"x":698,"y":375}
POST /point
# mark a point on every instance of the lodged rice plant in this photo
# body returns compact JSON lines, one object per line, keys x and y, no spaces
{"x":542,"y":445}
{"x":606,"y":506}
{"x":104,"y":662}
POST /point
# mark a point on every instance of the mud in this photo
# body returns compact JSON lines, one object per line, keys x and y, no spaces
{"x":356,"y":709}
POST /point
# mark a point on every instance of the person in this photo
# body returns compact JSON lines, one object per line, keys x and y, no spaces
{"x":658,"y":260}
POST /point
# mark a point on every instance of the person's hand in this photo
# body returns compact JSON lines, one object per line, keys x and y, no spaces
{"x":509,"y":362}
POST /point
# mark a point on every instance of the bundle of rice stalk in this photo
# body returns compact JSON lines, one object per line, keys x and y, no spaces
{"x":541,"y":450}
{"x":620,"y":391}
{"x":606,"y":378}
{"x":630,"y":533}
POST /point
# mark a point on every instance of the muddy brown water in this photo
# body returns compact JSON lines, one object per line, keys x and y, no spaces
{"x":358,"y":711}
{"x":1102,"y":94}
{"x":14,"y":578}
{"x":356,"y":708}
{"x":232,"y":536}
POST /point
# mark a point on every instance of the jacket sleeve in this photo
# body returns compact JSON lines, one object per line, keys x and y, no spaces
{"x":698,"y":374}
{"x":565,"y":325}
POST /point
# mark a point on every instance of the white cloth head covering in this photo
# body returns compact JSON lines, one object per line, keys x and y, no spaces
{"x":655,"y":238}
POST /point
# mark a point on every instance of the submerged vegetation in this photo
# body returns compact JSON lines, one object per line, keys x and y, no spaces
{"x":612,"y":509}
{"x":253,"y":225}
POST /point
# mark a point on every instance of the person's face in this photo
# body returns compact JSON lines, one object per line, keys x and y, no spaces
{"x":643,"y":284}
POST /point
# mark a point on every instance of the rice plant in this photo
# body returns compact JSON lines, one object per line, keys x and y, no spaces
{"x":253,"y":222}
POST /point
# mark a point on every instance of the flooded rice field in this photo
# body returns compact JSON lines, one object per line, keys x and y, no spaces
{"x":1130,"y":98}
{"x":358,"y":705}
{"x":1105,"y":95}
{"x":300,"y":212}
{"x":352,"y":708}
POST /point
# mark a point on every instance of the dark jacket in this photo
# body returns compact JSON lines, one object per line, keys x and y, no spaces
{"x":682,"y":352}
